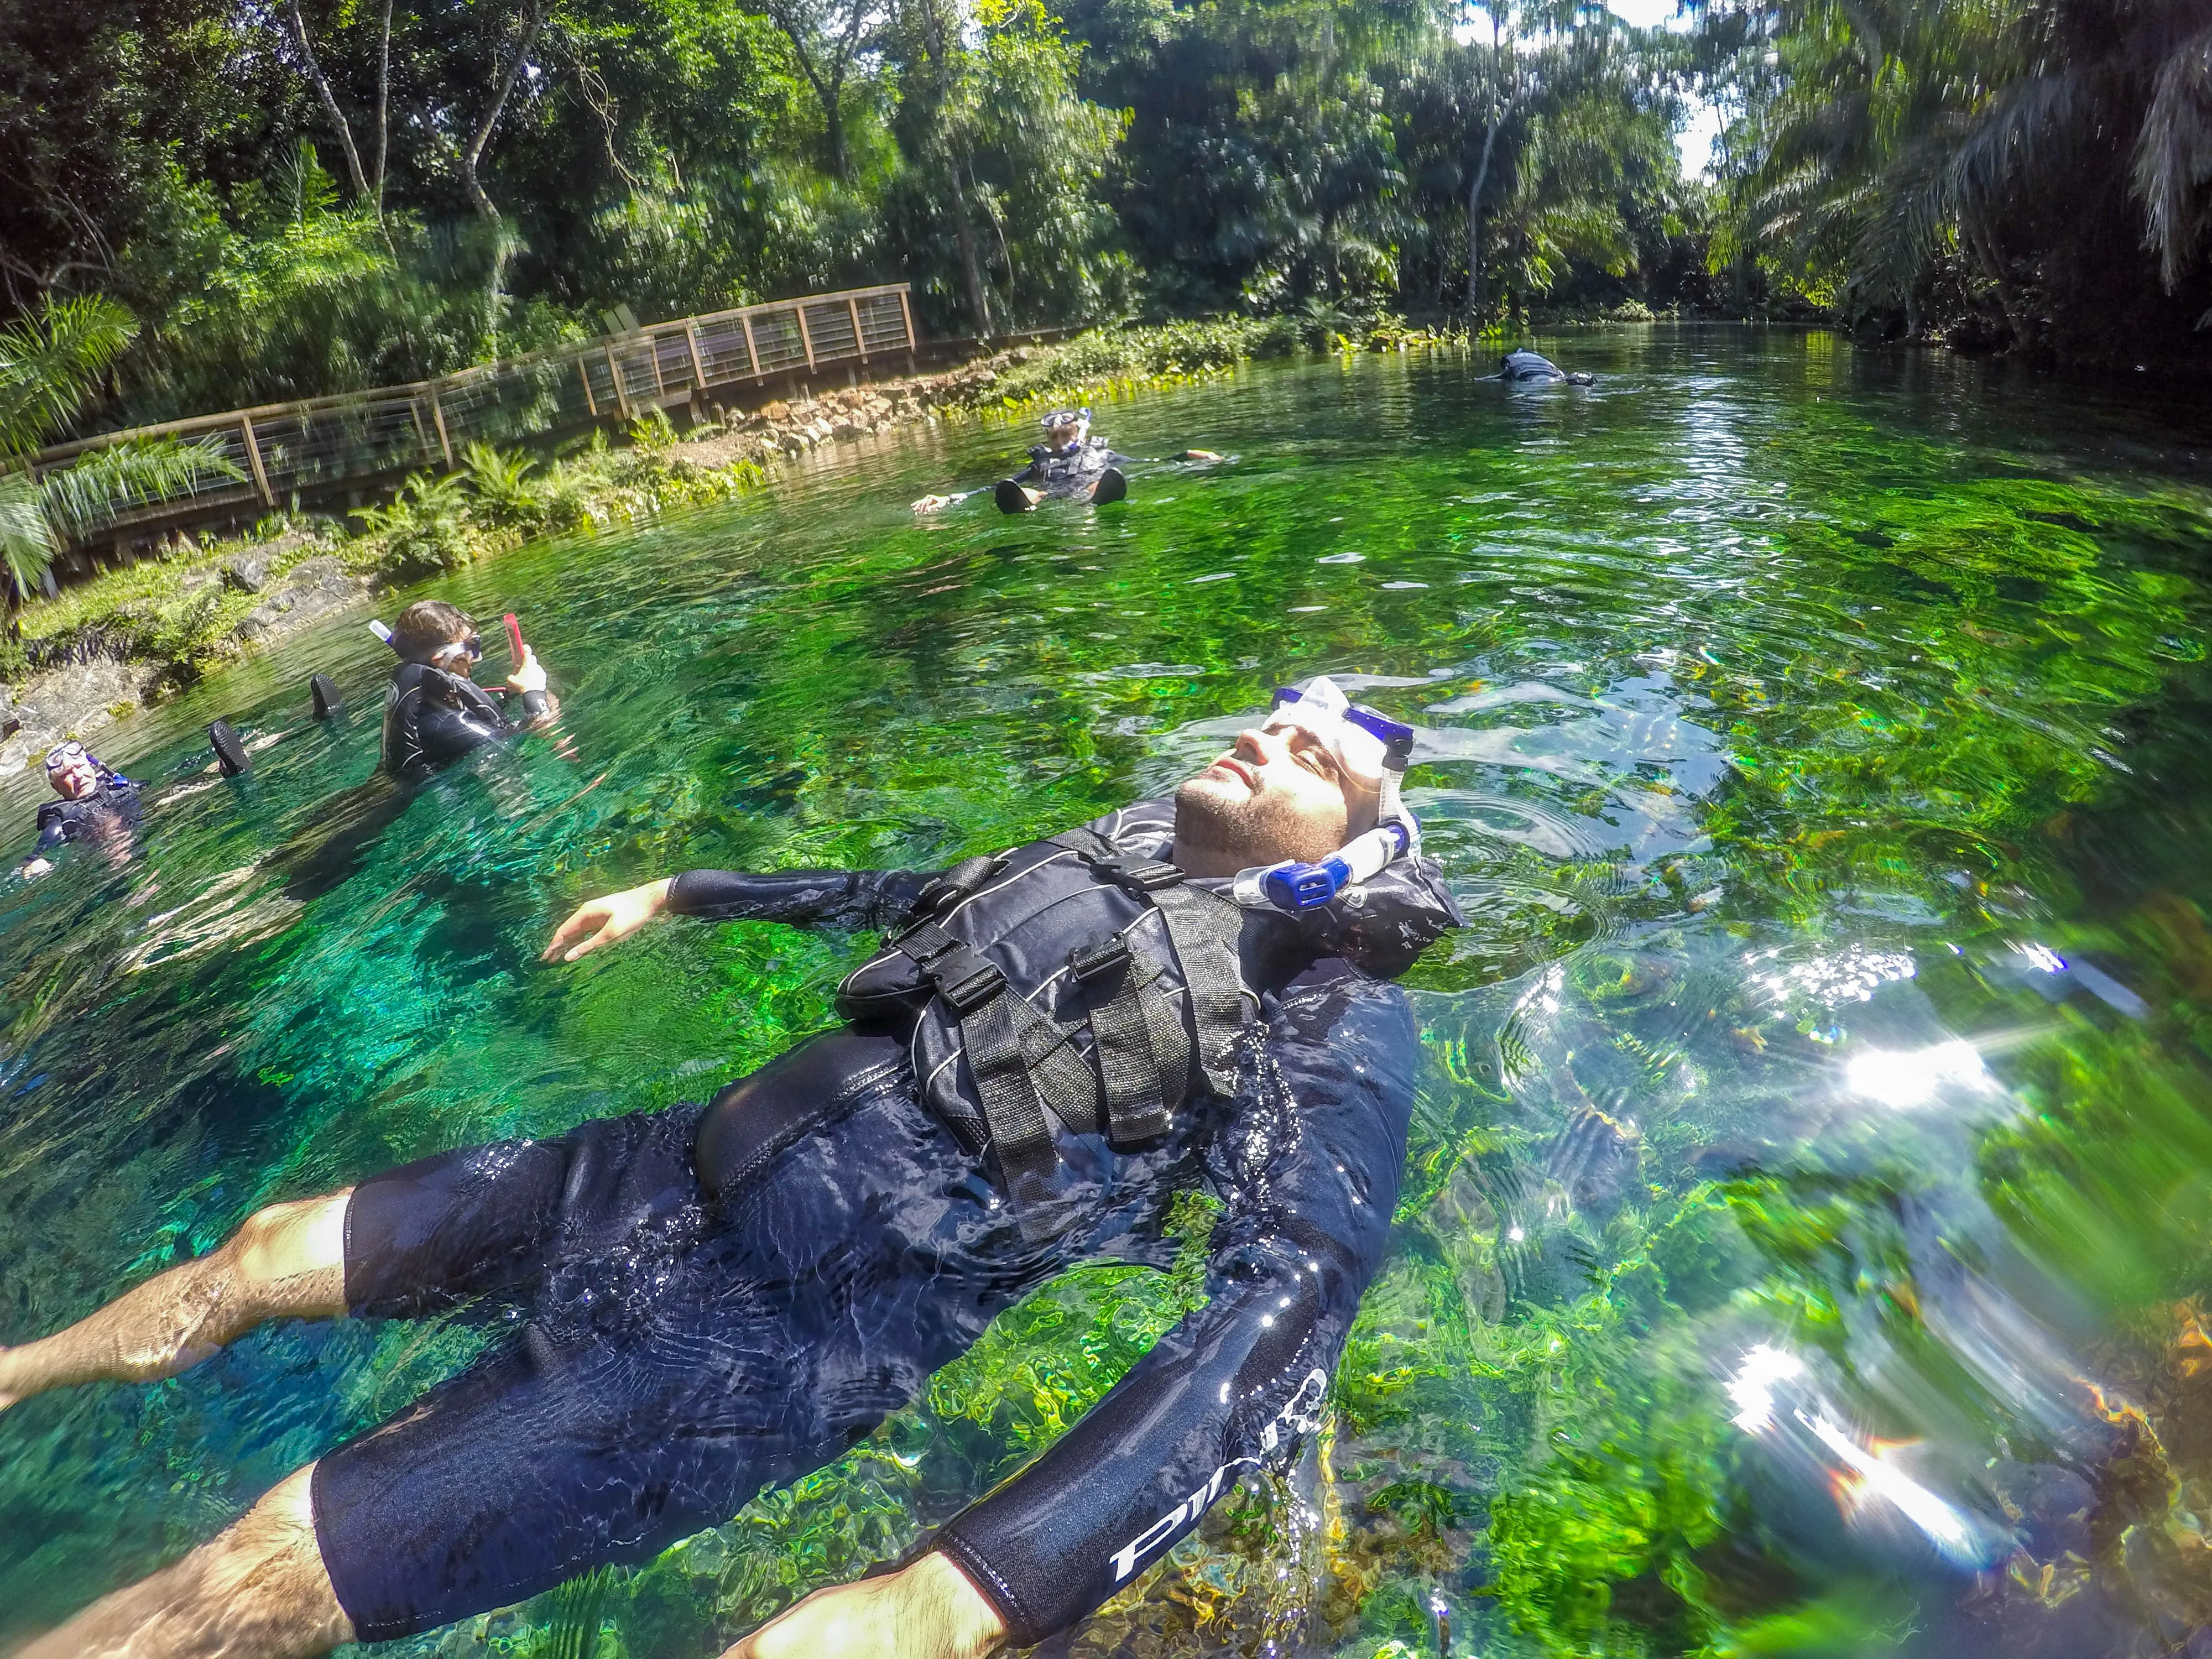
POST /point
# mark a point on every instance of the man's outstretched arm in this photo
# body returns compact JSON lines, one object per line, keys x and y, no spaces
{"x":1236,"y":1384}
{"x":821,"y":898}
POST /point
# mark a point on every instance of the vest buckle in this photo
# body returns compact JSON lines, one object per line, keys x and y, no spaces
{"x":1089,"y":962}
{"x":1145,"y":875}
{"x":966,"y":981}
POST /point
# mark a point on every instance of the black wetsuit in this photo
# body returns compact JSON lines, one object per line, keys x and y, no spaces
{"x":1524,"y":365}
{"x":431,"y":718}
{"x":719,"y":1300}
{"x":112,"y":809}
{"x":1073,"y":471}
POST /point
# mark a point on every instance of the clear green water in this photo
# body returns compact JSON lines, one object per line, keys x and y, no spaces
{"x":1777,"y":700}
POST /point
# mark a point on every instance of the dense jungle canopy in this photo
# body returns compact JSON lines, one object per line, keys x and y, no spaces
{"x":296,"y":197}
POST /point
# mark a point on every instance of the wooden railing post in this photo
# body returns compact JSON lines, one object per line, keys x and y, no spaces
{"x":805,"y":337}
{"x":698,"y":363}
{"x":622,"y":392}
{"x":906,"y":313}
{"x":438,"y":417}
{"x":859,"y":340}
{"x":753,"y":351}
{"x":253,"y":454}
{"x":585,"y":375}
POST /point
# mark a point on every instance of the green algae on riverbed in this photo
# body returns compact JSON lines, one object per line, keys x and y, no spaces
{"x":1783,"y":708}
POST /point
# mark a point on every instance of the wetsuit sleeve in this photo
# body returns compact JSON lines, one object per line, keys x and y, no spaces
{"x":827,"y":898}
{"x":1234,"y":1384}
{"x":55,"y":825}
{"x":447,"y":734}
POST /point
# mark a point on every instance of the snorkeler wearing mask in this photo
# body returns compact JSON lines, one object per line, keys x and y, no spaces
{"x":707,"y":1302}
{"x":1070,"y":463}
{"x":434,"y":713}
{"x":97,"y":803}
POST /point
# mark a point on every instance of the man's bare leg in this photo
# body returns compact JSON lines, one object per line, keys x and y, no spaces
{"x":258,"y":1590}
{"x":287,"y":1261}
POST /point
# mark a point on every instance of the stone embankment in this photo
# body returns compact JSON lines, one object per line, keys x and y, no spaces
{"x":782,"y":431}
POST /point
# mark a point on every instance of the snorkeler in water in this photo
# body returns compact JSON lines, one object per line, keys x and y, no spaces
{"x":710,"y":1301}
{"x":1069,"y":463}
{"x":97,"y":805}
{"x":1522,"y":366}
{"x":434,"y":713}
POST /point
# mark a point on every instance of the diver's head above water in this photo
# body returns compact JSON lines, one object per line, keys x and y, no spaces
{"x":1065,"y":428}
{"x":1296,"y":785}
{"x":440,"y":634}
{"x":75,"y":772}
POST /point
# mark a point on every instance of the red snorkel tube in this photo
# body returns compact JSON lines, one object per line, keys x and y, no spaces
{"x":514,"y":637}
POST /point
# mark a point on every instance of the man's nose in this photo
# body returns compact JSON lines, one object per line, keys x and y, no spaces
{"x":1252,"y":745}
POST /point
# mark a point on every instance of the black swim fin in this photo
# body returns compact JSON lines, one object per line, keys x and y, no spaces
{"x":323,"y":692}
{"x":1112,"y":485}
{"x":229,"y":749}
{"x":1011,"y":497}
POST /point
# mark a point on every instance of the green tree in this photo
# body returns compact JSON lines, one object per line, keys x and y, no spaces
{"x":2057,"y":151}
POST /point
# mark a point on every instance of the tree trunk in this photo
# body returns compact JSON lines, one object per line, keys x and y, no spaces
{"x":330,"y":107}
{"x":965,"y":233}
{"x":383,"y":105}
{"x":1985,"y":247}
{"x":1475,"y":220}
{"x":474,"y":154}
{"x":832,"y":119}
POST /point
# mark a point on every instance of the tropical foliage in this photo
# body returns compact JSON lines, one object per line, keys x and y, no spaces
{"x":51,"y":363}
{"x":450,"y":183}
{"x":2036,"y":168}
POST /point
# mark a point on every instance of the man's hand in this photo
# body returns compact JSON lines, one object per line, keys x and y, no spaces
{"x":529,"y":674}
{"x":928,"y":1610}
{"x":934,"y":503}
{"x":1199,"y":455}
{"x":33,"y":867}
{"x":603,"y":920}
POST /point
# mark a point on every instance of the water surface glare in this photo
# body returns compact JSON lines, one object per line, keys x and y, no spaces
{"x":1809,"y":1214}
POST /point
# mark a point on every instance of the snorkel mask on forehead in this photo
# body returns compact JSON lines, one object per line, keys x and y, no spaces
{"x":1077,"y":418}
{"x":1374,"y":749}
{"x":62,"y":754}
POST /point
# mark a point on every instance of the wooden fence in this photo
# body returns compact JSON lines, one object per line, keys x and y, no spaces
{"x":339,"y":445}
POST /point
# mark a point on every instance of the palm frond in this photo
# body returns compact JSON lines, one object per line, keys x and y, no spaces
{"x":2033,"y":128}
{"x":52,"y":361}
{"x":26,"y":539}
{"x":2173,"y":157}
{"x":89,"y":493}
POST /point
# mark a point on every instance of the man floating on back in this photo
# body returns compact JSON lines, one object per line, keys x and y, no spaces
{"x":706,"y":1302}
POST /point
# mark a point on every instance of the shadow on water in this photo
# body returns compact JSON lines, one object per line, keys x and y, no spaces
{"x":1803,"y":1246}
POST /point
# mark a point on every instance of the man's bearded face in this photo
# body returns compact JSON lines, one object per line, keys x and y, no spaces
{"x":1277,"y":795}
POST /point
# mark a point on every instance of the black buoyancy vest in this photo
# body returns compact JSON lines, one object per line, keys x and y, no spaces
{"x":1077,"y":464}
{"x":1085,"y":978}
{"x":115,"y":801}
{"x":431,"y":717}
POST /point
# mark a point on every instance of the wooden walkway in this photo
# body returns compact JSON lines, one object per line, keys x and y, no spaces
{"x":345,"y":445}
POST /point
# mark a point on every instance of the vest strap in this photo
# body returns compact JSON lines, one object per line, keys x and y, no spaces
{"x":1021,"y":1061}
{"x":1203,"y":927}
{"x":1121,"y":1041}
